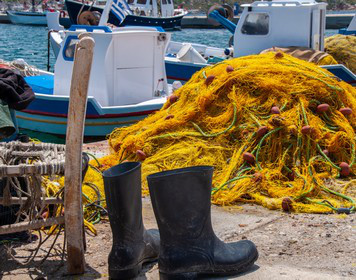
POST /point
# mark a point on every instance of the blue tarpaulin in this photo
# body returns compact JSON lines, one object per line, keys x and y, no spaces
{"x":41,"y":84}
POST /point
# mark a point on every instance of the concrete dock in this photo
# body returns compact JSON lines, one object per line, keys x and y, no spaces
{"x":333,"y":21}
{"x":291,"y":246}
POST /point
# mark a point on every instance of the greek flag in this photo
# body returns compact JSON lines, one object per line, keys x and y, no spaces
{"x":120,"y":9}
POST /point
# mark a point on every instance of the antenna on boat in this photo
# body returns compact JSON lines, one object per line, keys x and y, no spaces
{"x":105,"y":15}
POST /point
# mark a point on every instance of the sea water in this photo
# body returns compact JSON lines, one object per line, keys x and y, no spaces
{"x":31,"y":42}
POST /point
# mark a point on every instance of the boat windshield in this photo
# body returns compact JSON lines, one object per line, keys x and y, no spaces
{"x":256,"y":24}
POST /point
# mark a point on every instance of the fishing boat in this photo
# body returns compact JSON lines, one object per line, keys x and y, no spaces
{"x":262,"y":25}
{"x":132,"y":13}
{"x":351,"y":29}
{"x":126,"y":82}
{"x":28,"y":18}
{"x":31,"y":17}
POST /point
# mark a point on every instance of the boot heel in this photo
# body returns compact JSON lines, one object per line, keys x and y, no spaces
{"x":178,"y":276}
{"x":126,"y":273}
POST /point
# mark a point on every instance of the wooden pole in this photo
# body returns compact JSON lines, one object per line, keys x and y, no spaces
{"x":73,"y":170}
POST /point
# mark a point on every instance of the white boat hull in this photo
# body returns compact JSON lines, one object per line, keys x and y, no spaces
{"x":56,"y":40}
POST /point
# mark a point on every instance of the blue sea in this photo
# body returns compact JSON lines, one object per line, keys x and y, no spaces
{"x":30,"y":42}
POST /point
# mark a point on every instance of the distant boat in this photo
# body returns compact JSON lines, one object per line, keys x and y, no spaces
{"x":182,"y":60}
{"x":133,"y":13}
{"x":262,"y":25}
{"x":351,"y":29}
{"x":28,"y":18}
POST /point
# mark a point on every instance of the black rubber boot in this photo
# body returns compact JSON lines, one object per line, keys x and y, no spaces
{"x":189,"y":247}
{"x":132,"y":244}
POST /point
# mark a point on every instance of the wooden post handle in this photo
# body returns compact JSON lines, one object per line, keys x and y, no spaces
{"x":74,"y":139}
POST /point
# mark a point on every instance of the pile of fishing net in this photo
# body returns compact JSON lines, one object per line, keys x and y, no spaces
{"x":93,"y":195}
{"x":343,"y":49}
{"x":279,"y":131}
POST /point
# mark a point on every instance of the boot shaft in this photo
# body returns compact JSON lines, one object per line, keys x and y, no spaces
{"x":122,"y":185}
{"x":181,"y":202}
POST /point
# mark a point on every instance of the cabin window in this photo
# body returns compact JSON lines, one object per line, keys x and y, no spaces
{"x":169,"y":2}
{"x":141,"y":2}
{"x":69,"y":48}
{"x":130,"y":1}
{"x":164,"y":2}
{"x":256,"y":24}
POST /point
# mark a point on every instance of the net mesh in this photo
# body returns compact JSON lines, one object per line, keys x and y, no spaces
{"x":343,"y":49}
{"x":279,"y":131}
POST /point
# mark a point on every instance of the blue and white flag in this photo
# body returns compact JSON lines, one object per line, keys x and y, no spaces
{"x":120,"y":9}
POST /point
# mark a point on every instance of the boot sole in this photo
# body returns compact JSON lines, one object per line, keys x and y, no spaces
{"x":206,"y":274}
{"x":131,"y":272}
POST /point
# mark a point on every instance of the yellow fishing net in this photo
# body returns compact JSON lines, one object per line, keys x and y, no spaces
{"x":92,"y":194}
{"x":279,"y":131}
{"x":343,"y":49}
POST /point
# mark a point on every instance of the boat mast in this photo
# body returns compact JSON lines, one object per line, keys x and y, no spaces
{"x":105,"y":15}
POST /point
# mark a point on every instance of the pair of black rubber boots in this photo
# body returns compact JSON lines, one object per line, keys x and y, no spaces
{"x":186,"y":246}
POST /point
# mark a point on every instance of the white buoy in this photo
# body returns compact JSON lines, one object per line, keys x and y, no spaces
{"x":176,"y":85}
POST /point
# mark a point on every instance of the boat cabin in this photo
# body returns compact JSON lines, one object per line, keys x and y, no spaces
{"x":152,"y":8}
{"x":263,"y":25}
{"x":123,"y":72}
{"x":352,"y":25}
{"x":351,"y":29}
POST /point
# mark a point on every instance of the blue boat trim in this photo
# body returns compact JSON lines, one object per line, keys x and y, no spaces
{"x":89,"y":28}
{"x":341,"y":72}
{"x":41,"y":84}
{"x":66,"y":44}
{"x":58,"y":106}
{"x":344,"y":31}
{"x":181,"y":71}
{"x":48,"y":113}
{"x":184,"y":71}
